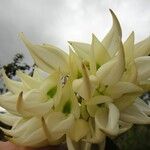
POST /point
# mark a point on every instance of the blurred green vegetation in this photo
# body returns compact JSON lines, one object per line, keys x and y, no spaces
{"x":137,"y":138}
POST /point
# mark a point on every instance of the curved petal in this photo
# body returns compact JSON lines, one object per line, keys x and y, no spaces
{"x":112,"y":71}
{"x":79,"y":130}
{"x":112,"y":40}
{"x":14,"y":86}
{"x":121,"y":88}
{"x":142,"y":106}
{"x":143,"y":67}
{"x":82,"y":49}
{"x":45,"y":56}
{"x":124,"y":126}
{"x":100,"y":53}
{"x":126,"y":100}
{"x":130,"y":74}
{"x":107,"y":119}
{"x":134,"y":115}
{"x":28,"y":80}
{"x":142,"y":48}
{"x":80,"y":87}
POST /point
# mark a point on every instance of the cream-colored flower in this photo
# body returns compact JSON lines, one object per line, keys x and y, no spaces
{"x":88,"y":94}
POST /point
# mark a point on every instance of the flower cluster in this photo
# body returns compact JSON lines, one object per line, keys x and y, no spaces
{"x":88,"y":94}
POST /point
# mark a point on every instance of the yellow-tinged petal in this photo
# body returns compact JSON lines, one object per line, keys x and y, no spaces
{"x":28,"y":80}
{"x":8,"y":118}
{"x":31,"y":107}
{"x":124,"y":126}
{"x":70,"y":144}
{"x":45,"y":56}
{"x":142,"y":106}
{"x":79,"y":130}
{"x":112,"y":71}
{"x":100,"y":99}
{"x":95,"y":134}
{"x":134,"y":115}
{"x":100,"y":53}
{"x":112,"y":40}
{"x":34,"y":139}
{"x":37,"y":74}
{"x":107,"y":119}
{"x":14,"y":86}
{"x":80,"y":87}
{"x":25,"y":126}
{"x":130,"y":74}
{"x":82,"y":49}
{"x":92,"y":109}
{"x":8,"y":102}
{"x":142,"y":48}
{"x":75,"y":65}
{"x":145,"y":84}
{"x":126,"y":100}
{"x":129,"y":49}
{"x":58,"y":124}
{"x":121,"y":88}
{"x":143,"y":67}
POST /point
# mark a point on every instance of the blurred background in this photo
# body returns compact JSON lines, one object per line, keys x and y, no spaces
{"x":56,"y":22}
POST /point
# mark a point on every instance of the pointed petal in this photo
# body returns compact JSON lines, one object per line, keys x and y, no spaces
{"x":107,"y":119}
{"x":121,"y":88}
{"x":112,"y":71}
{"x":14,"y":86}
{"x":9,"y":103}
{"x":133,"y":115}
{"x":129,"y":48}
{"x":37,"y":74}
{"x":8,"y":118}
{"x":100,"y":53}
{"x":124,"y":126}
{"x":79,"y":130}
{"x":126,"y":100}
{"x":45,"y":56}
{"x":142,"y":48}
{"x":80,"y":87}
{"x":142,"y":106}
{"x":28,"y":80}
{"x":33,"y":108}
{"x":75,"y":65}
{"x":82,"y":49}
{"x":58,"y":124}
{"x":143,"y":67}
{"x":112,"y":39}
{"x":99,"y":100}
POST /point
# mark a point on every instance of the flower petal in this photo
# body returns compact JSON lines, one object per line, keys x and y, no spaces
{"x":45,"y":56}
{"x":120,"y":88}
{"x":107,"y":119}
{"x":142,"y":48}
{"x":143,"y":67}
{"x":112,"y":40}
{"x":112,"y":71}
{"x":79,"y":130}
{"x":134,"y":115}
{"x":100,"y":53}
{"x":82,"y":49}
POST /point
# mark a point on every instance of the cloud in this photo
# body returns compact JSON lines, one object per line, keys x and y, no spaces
{"x":56,"y":21}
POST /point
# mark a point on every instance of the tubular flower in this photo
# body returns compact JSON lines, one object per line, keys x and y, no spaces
{"x":88,"y":94}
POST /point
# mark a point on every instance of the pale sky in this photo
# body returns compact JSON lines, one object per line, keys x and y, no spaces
{"x":58,"y":21}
